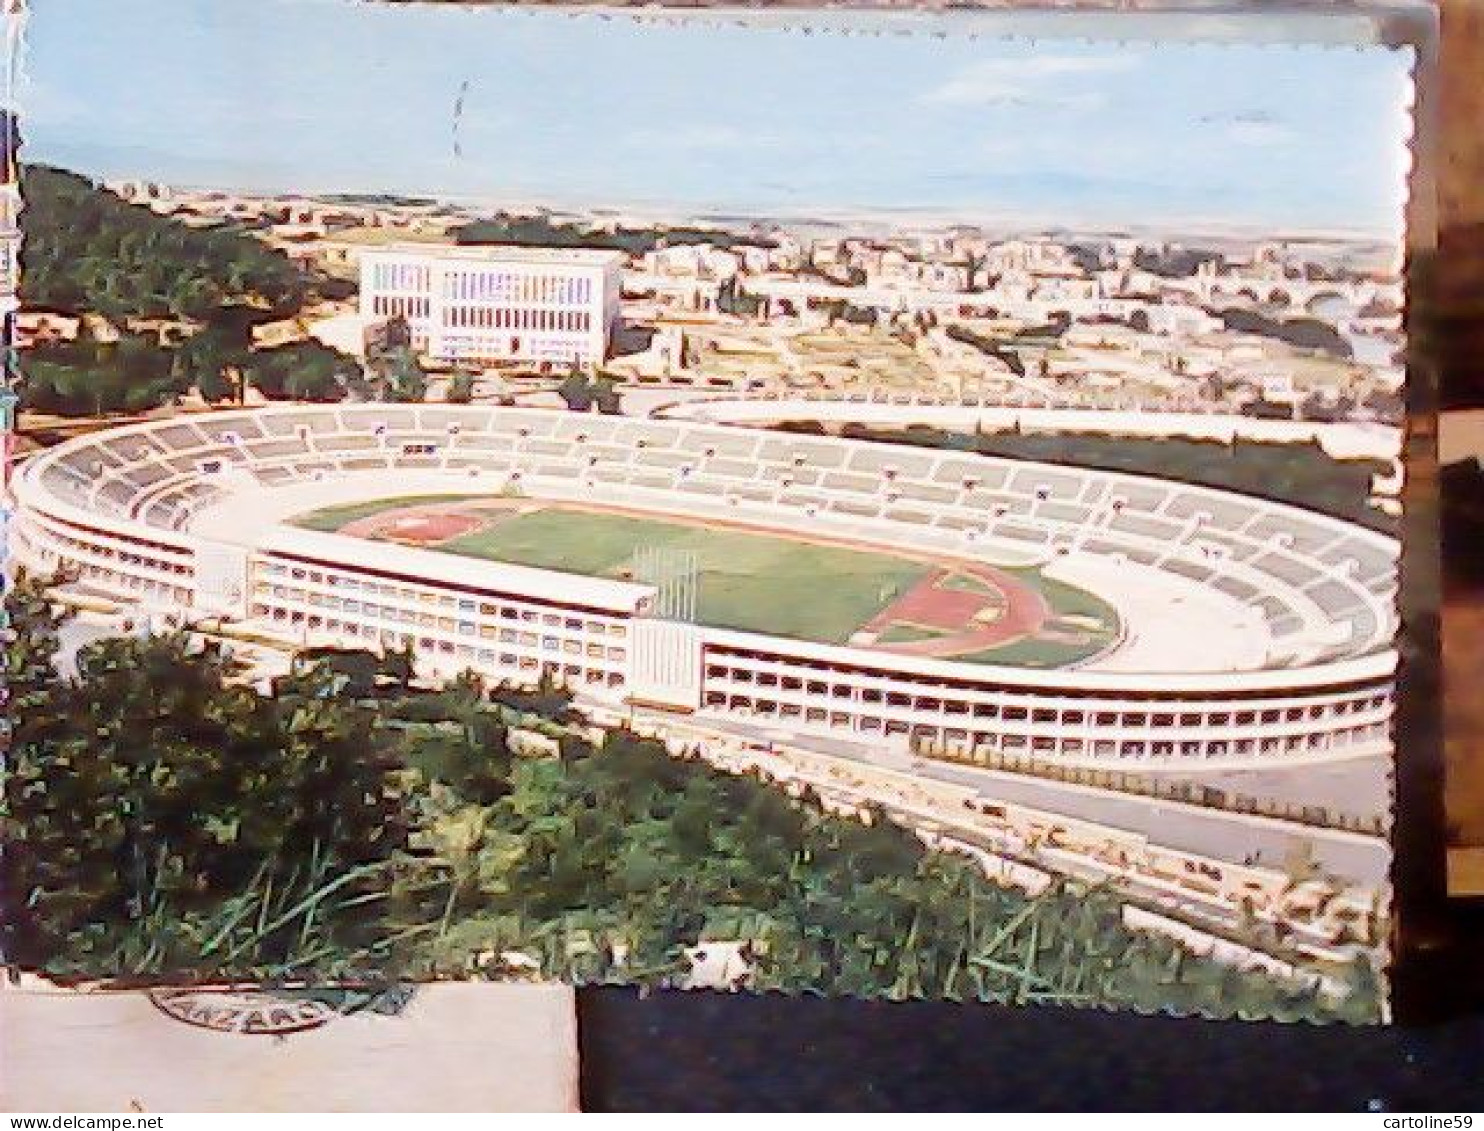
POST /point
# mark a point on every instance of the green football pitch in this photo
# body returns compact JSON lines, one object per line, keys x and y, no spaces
{"x":750,"y":581}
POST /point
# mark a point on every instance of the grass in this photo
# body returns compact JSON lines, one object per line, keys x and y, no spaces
{"x":1029,"y":652}
{"x":966,"y":583}
{"x":330,"y":519}
{"x":1067,"y":600}
{"x":749,"y":581}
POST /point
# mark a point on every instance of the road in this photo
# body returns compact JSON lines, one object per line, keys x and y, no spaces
{"x":1208,"y":832}
{"x":471,"y":1046}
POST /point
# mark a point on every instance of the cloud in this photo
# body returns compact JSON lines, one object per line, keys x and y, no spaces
{"x":1035,"y":81}
{"x":1245,"y":117}
{"x":1258,"y":134}
{"x":1256,"y":128}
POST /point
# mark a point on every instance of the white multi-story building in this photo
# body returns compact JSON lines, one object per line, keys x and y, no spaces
{"x":498,"y":303}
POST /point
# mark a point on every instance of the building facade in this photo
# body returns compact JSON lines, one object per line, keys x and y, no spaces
{"x":128,"y":512}
{"x":558,"y":306}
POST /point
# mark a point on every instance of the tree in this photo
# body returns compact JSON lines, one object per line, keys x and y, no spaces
{"x":94,"y":378}
{"x":543,"y":231}
{"x":605,"y":393}
{"x":548,"y":698}
{"x":162,"y":818}
{"x":398,"y":665}
{"x":125,"y":807}
{"x":176,"y":819}
{"x":35,"y":825}
{"x":973,"y":264}
{"x":395,"y":333}
{"x":306,"y":371}
{"x":732,"y":299}
{"x":211,"y":361}
{"x":352,"y":670}
{"x":397,"y":375}
{"x":89,"y":251}
{"x":1173,"y":263}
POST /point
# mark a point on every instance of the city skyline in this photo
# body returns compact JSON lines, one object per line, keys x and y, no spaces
{"x":918,"y":516}
{"x":431,"y":102}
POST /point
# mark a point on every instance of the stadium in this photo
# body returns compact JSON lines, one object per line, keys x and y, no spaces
{"x":933,"y":599}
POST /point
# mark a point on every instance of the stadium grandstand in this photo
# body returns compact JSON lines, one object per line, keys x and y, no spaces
{"x":1243,"y":632}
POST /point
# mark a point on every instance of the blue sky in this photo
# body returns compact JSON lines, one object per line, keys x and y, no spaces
{"x":581,"y":111}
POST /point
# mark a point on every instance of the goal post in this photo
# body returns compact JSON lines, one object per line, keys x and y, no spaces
{"x":665,"y":668}
{"x":675,"y":575}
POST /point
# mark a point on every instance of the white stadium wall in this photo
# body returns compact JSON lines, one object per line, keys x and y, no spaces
{"x":188,"y":515}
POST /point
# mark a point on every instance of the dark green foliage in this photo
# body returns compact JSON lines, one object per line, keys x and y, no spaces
{"x":1304,"y":333}
{"x":353,"y":670}
{"x":87,"y":377}
{"x":988,"y":346}
{"x":1047,"y":334}
{"x":576,"y":392}
{"x":87,"y":251}
{"x":732,"y":299}
{"x":1088,"y":257}
{"x":1298,"y":474}
{"x":548,"y":698}
{"x":606,"y":397}
{"x":583,"y":393}
{"x":627,"y":850}
{"x":842,"y":310}
{"x":37,"y":717}
{"x":162,"y":819}
{"x":460,"y":389}
{"x":159,"y":818}
{"x":393,"y":370}
{"x":213,"y":361}
{"x":397,"y":665}
{"x":302,"y":371}
{"x":1173,"y":263}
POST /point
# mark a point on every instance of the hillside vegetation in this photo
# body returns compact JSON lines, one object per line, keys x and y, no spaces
{"x":88,"y":252}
